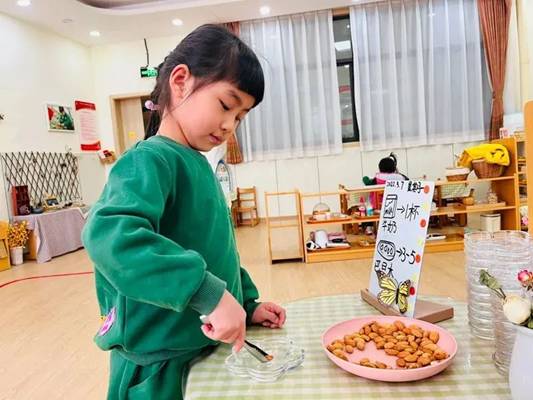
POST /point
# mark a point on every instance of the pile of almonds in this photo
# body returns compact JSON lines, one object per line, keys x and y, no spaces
{"x":413,"y":346}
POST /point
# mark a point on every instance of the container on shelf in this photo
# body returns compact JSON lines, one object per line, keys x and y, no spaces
{"x":491,"y":222}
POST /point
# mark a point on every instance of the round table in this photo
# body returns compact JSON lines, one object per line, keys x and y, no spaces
{"x":471,"y":376}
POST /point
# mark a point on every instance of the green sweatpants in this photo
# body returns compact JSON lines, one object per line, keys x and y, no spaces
{"x":163,"y":380}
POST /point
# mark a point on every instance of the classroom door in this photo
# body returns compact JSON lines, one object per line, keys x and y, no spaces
{"x":130,"y":122}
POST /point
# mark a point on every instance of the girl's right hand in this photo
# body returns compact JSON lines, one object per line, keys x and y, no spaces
{"x":227,"y":322}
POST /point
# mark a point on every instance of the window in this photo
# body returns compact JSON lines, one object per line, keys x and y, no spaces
{"x":344,"y":55}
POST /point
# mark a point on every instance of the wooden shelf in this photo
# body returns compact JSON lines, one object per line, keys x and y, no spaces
{"x":470,"y":209}
{"x":506,"y":187}
{"x":452,"y":242}
{"x":527,"y":153}
{"x":284,"y":222}
{"x":439,"y":211}
{"x":341,"y":221}
{"x":475,"y":180}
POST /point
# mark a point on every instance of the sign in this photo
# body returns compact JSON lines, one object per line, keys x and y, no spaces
{"x":400,"y":243}
{"x":89,"y":138}
{"x":224,"y":178}
{"x":148,"y":72}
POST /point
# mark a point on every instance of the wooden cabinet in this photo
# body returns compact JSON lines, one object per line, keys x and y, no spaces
{"x":527,"y":167}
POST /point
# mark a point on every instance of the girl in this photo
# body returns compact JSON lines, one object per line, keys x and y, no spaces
{"x":388,"y":171}
{"x":161,"y":237}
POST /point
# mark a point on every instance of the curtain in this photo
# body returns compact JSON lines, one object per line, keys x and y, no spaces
{"x":233,"y":152}
{"x":300,"y":114}
{"x":494,"y":16}
{"x":418,"y":73}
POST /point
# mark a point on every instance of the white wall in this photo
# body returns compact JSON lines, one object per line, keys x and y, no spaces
{"x":323,"y":174}
{"x":116,"y":72}
{"x":38,"y":67}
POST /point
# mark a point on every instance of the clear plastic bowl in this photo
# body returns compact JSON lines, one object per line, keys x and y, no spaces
{"x":286,"y":355}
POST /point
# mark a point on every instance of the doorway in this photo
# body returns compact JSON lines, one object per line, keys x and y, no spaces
{"x":130,"y":119}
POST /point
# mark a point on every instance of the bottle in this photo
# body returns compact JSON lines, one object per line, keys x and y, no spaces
{"x":369,"y":209}
{"x":362,"y":207}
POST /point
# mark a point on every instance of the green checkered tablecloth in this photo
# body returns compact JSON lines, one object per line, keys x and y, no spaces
{"x":471,"y":376}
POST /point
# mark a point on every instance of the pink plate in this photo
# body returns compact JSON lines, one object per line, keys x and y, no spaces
{"x":446,"y":342}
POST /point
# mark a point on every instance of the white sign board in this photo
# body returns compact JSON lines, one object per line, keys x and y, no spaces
{"x":400,"y":243}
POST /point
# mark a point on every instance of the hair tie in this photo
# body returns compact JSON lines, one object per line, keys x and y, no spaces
{"x":150,"y":105}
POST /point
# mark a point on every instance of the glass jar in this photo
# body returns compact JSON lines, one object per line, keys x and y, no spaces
{"x":511,"y":255}
{"x":479,"y":255}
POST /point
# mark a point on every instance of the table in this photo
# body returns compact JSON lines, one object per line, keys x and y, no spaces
{"x":471,"y":376}
{"x":54,"y":232}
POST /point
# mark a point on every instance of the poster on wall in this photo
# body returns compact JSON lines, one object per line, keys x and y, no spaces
{"x":86,"y":113}
{"x":400,"y":244}
{"x":59,"y":118}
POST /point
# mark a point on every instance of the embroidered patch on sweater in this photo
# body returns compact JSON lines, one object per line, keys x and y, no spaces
{"x":108,"y":323}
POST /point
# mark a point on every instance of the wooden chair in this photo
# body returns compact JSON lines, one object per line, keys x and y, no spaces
{"x":247,"y":204}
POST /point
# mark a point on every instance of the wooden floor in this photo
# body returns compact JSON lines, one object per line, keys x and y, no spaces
{"x":46,"y":329}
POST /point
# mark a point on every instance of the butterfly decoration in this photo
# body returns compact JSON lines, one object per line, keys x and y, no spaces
{"x":392,"y":293}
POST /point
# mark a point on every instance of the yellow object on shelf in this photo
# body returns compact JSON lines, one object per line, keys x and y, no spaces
{"x":4,"y":248}
{"x":493,"y":153}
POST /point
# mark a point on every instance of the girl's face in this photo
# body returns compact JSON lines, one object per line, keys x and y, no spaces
{"x":208,"y":116}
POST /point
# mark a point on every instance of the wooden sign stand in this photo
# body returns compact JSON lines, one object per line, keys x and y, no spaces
{"x":424,"y":310}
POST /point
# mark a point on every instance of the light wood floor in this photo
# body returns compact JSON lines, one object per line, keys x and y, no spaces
{"x":46,"y":325}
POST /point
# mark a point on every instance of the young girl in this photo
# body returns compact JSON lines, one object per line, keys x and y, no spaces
{"x":161,"y":237}
{"x":388,"y":171}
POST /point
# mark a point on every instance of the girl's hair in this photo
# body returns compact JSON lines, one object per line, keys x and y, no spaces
{"x":388,"y":164}
{"x":212,"y":54}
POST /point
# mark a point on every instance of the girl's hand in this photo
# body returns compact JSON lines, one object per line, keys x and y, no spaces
{"x":227,"y":322}
{"x":269,"y":315}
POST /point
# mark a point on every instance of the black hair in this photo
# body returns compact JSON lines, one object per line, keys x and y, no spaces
{"x":388,"y":164}
{"x":212,"y":54}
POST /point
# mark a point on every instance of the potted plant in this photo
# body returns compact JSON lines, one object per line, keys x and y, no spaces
{"x":17,"y":236}
{"x":518,"y":310}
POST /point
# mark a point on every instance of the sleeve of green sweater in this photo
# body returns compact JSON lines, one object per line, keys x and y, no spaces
{"x":250,"y":294}
{"x":122,"y":240}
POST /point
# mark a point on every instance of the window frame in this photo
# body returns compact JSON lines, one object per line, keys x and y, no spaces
{"x":341,"y":63}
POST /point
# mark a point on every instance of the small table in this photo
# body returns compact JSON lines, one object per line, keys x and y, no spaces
{"x":471,"y":376}
{"x":54,"y":233}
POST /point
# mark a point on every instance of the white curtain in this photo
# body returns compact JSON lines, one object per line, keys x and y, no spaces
{"x":300,"y":114}
{"x":512,"y":92}
{"x":418,"y":73}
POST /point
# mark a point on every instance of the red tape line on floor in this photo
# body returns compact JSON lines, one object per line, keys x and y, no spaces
{"x":44,"y":276}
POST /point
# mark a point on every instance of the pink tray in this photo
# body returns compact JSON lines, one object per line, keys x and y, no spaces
{"x":446,"y":342}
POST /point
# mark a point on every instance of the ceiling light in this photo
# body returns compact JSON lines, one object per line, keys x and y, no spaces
{"x":177,"y":22}
{"x":94,"y":33}
{"x":265,"y":10}
{"x":23,"y":3}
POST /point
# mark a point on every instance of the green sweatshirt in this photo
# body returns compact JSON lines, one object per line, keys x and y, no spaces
{"x":164,"y":250}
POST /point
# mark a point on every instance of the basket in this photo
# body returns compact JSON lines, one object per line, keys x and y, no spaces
{"x":485,"y":170}
{"x":457,"y":174}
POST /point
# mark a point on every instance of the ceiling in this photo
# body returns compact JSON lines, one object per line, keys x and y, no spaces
{"x":126,"y":20}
